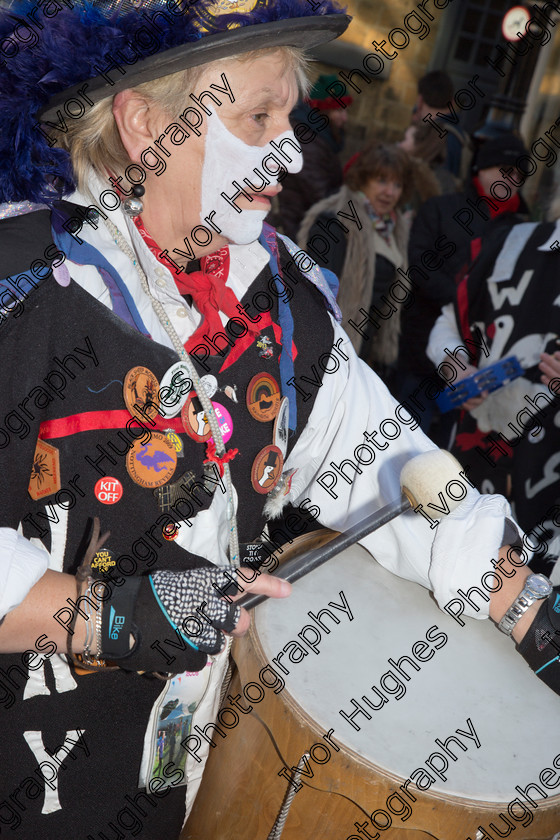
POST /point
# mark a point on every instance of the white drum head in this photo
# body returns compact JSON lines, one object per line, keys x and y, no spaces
{"x":477,"y":674}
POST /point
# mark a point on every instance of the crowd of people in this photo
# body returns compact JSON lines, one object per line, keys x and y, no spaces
{"x":449,"y":222}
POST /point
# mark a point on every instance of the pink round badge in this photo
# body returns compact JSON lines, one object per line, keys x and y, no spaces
{"x":224,"y":421}
{"x":108,"y":490}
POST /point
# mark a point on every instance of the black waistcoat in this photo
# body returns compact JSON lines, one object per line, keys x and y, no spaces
{"x":110,"y":709}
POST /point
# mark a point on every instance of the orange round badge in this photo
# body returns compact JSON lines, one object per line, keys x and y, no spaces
{"x":194,"y":419}
{"x":267,"y":469}
{"x":141,"y":392}
{"x":151,"y":464}
{"x":263,"y":397}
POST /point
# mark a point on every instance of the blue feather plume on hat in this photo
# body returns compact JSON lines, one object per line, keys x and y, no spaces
{"x":71,"y":44}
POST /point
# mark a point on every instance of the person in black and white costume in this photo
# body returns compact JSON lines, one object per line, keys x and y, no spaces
{"x":509,"y":436}
{"x":110,"y":290}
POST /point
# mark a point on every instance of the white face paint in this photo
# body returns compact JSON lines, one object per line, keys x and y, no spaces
{"x":227,"y":159}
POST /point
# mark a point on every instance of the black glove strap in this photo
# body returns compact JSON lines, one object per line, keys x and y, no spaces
{"x":158,"y":647}
{"x":118,"y":614}
{"x":540,"y":646}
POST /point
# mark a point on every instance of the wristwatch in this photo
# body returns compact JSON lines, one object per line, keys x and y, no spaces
{"x":536,"y":588}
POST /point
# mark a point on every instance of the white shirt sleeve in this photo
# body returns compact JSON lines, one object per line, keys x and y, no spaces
{"x":444,"y":334}
{"x":348,"y":462}
{"x":23,"y":564}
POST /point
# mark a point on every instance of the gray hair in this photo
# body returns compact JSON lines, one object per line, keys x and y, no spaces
{"x":94,"y":140}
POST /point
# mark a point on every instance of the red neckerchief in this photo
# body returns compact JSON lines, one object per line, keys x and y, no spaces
{"x":510,"y":206}
{"x":211,"y":296}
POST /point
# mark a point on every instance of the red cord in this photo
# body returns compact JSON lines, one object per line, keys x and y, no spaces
{"x":220,"y":460}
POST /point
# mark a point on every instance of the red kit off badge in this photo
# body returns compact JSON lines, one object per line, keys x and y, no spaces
{"x":108,"y":490}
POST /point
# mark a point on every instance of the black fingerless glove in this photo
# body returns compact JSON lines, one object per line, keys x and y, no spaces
{"x":540,"y":646}
{"x":186,"y":608}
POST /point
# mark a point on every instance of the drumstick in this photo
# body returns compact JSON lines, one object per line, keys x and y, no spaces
{"x":423,"y":482}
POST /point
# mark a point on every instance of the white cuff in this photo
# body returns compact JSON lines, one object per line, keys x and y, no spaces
{"x":22,"y":566}
{"x":444,"y":335}
{"x":466,"y":542}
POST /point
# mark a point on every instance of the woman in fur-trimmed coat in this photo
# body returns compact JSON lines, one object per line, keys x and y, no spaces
{"x":361,"y":234}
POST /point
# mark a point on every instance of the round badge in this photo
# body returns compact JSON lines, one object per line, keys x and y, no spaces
{"x":140,"y":391}
{"x":267,"y":469}
{"x":103,"y":560}
{"x":170,"y":531}
{"x":263,"y":397}
{"x":194,"y":419}
{"x":151,"y":464}
{"x":280,"y":432}
{"x":175,"y":441}
{"x":210,"y":384}
{"x":224,"y":421}
{"x":108,"y":490}
{"x":174,"y":390}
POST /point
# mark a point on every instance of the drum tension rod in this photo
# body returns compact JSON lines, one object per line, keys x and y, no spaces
{"x":278,"y":827}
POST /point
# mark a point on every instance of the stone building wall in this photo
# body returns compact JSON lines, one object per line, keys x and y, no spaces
{"x":383,"y":108}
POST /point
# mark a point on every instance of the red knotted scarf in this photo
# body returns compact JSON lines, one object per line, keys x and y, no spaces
{"x":211,"y":296}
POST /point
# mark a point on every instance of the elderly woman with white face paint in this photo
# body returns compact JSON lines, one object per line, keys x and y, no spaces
{"x":174,"y":374}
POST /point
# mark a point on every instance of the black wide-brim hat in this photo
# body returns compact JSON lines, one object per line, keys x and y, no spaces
{"x":305,"y":33}
{"x":49,"y":53}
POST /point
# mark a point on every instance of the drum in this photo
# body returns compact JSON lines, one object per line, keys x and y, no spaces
{"x":409,"y":725}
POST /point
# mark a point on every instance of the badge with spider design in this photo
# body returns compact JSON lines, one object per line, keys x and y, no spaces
{"x":45,"y":472}
{"x":141,"y":392}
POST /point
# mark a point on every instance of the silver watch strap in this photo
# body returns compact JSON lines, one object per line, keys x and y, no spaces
{"x":520,"y":606}
{"x":514,"y":613}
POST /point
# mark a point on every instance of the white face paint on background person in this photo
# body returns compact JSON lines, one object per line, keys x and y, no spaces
{"x":228,"y":149}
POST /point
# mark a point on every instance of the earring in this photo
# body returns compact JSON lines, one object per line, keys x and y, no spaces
{"x":135,"y":206}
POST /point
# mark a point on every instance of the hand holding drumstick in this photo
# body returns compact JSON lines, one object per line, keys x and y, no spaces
{"x":549,"y":366}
